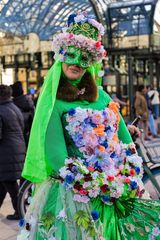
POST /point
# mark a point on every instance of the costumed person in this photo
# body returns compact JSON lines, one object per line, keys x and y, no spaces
{"x":81,"y":154}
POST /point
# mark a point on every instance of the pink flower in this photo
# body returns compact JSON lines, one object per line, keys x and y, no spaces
{"x":70,"y":35}
{"x":79,"y":198}
{"x":127,"y":180}
{"x":91,"y":169}
{"x":104,"y":53}
{"x":156,"y":231}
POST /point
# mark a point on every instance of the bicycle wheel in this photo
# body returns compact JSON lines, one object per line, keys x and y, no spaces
{"x":149,"y":185}
{"x":24,"y":197}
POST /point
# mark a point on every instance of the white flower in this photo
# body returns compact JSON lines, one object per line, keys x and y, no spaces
{"x":94,"y":192}
{"x":32,"y":221}
{"x":135,"y":160}
{"x":86,"y":184}
{"x":63,"y":172}
{"x":29,"y":200}
{"x":61,"y":214}
{"x":78,"y":177}
{"x":94,"y":175}
{"x":52,"y":238}
{"x":24,"y":235}
{"x":69,"y":160}
{"x":79,"y":18}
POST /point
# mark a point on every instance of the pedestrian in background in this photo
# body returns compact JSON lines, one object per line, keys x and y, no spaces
{"x":151,"y":119}
{"x":26,"y":105}
{"x":154,"y":96}
{"x":12,"y":148}
{"x":141,"y":109}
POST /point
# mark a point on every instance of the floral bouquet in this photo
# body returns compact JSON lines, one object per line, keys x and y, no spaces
{"x":109,"y":169}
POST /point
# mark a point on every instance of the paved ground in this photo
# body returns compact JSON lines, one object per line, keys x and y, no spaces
{"x":8,"y":229}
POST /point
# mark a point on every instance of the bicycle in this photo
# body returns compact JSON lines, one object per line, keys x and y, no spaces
{"x":151,"y":177}
{"x":25,"y":197}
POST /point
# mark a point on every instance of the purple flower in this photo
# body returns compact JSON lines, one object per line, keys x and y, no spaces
{"x":95,"y":215}
{"x":69,"y":179}
{"x":71,"y":112}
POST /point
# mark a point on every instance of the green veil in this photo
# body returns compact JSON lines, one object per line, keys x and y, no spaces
{"x":36,"y":168}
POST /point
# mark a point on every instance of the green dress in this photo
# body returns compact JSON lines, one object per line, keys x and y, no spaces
{"x":54,"y":214}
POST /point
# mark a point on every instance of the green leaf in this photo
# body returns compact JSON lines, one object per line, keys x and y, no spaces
{"x":92,"y":232}
{"x":47,"y":220}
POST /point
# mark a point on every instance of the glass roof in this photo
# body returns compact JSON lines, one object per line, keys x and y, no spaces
{"x":44,"y":17}
{"x":131,"y":18}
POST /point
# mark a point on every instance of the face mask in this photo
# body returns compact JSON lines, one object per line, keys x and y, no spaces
{"x":75,"y":56}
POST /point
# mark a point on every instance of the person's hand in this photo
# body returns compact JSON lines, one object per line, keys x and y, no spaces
{"x":134,"y":130}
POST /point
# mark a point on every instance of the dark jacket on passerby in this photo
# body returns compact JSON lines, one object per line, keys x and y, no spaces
{"x":26,"y":105}
{"x":12,"y":144}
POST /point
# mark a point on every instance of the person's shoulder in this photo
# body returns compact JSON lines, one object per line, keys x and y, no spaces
{"x":103,"y":94}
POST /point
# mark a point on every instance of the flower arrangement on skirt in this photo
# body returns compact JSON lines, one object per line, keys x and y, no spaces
{"x":109,"y":169}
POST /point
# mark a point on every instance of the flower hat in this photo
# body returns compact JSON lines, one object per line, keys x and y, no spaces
{"x":84,"y":32}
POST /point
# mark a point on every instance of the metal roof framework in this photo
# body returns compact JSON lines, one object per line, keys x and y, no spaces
{"x":45,"y":18}
{"x":131,"y":18}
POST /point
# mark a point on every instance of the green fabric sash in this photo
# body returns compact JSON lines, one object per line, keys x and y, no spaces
{"x":36,"y":168}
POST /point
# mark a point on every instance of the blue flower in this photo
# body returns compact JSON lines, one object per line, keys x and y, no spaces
{"x":93,"y":125}
{"x":61,"y":51}
{"x":99,"y":159}
{"x":113,"y":154}
{"x":95,"y":215}
{"x":96,"y":165}
{"x":105,"y":198}
{"x":128,"y":152}
{"x":104,"y":114}
{"x":86,"y":163}
{"x":133,"y":185}
{"x":71,"y":112}
{"x":87,"y":120}
{"x":105,"y":144}
{"x":74,"y":169}
{"x":21,"y":222}
{"x":69,"y":179}
{"x":107,"y":128}
{"x":71,"y":19}
{"x":137,"y":169}
{"x":78,"y":139}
